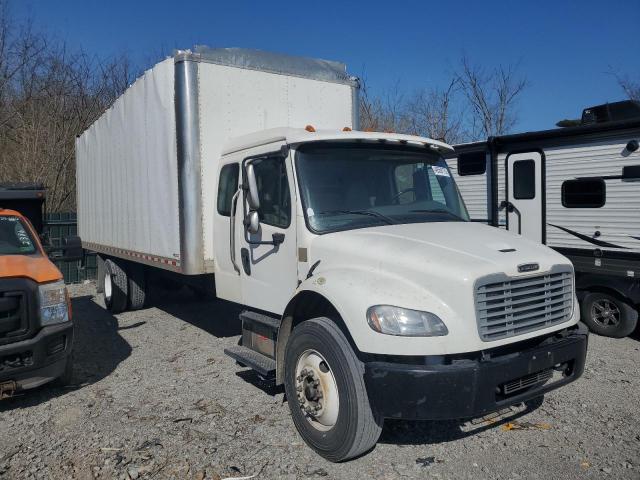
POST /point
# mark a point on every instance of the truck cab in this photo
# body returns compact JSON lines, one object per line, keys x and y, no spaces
{"x":373,"y":296}
{"x":36,"y":328}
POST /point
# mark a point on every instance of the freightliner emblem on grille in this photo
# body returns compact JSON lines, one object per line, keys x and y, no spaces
{"x":528,"y":267}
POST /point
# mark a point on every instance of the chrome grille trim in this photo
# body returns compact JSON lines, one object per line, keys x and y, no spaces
{"x":510,"y":306}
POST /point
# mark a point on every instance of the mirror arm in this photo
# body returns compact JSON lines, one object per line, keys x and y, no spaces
{"x":276,"y":239}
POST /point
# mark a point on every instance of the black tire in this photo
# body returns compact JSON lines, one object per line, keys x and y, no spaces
{"x":607,"y":315}
{"x":357,"y":428}
{"x":137,"y":294}
{"x":115,"y":297}
{"x":99,"y":274}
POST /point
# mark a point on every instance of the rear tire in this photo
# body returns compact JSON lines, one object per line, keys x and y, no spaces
{"x":137,"y":294}
{"x":345,"y":426}
{"x":115,"y":287}
{"x":607,"y":315}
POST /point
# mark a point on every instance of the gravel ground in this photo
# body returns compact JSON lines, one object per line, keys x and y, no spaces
{"x":157,"y":398}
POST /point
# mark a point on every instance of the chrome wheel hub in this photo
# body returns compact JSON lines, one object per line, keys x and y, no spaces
{"x":108,"y":288}
{"x":316,"y":390}
{"x":605,"y":313}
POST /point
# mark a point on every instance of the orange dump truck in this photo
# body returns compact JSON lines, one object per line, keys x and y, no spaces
{"x":36,"y":331}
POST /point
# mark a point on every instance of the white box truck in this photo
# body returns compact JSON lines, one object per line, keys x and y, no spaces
{"x":368,"y":292}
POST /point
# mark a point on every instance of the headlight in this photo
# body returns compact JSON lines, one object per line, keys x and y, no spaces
{"x":53,"y":303}
{"x":402,"y":321}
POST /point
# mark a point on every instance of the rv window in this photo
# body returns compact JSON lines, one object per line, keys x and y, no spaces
{"x":473,"y":163}
{"x":524,"y":179}
{"x":631,"y":172}
{"x":227,"y":187}
{"x":584,"y":193}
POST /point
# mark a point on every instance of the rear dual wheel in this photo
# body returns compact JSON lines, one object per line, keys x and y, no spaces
{"x":326,"y":392}
{"x":124,"y":286}
{"x":116,"y":287}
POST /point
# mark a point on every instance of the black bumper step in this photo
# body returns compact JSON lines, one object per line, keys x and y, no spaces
{"x":262,"y":364}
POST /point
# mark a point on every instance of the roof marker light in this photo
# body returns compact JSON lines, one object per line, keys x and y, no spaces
{"x":310,"y":128}
{"x":346,"y":129}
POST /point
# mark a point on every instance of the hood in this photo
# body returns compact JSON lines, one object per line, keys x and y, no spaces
{"x":464,"y":250}
{"x":36,"y":267}
{"x":430,"y":267}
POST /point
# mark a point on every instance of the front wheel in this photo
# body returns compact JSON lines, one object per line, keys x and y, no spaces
{"x":607,"y":315}
{"x":326,"y":392}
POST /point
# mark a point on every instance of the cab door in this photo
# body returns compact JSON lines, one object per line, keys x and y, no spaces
{"x":524,"y":199}
{"x":267,"y":258}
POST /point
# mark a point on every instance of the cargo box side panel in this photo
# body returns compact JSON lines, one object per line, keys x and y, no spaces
{"x":127,"y":174}
{"x":236,"y":101}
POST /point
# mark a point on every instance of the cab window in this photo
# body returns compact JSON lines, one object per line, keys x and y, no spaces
{"x":227,"y":187}
{"x":15,"y":238}
{"x":273,"y":188}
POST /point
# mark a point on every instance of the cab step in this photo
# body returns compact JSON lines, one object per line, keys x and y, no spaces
{"x":262,"y":364}
{"x":250,"y":318}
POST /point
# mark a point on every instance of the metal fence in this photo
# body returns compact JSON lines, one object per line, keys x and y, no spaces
{"x":59,"y":225}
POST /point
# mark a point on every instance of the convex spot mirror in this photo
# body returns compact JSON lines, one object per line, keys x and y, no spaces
{"x":252,"y":222}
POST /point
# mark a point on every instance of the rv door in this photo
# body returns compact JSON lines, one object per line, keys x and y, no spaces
{"x":524,"y":195}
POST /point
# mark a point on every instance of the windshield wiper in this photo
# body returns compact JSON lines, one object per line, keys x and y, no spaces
{"x":438,"y":210}
{"x":369,"y":213}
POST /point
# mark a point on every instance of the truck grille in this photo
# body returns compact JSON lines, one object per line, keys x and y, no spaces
{"x":516,"y":306}
{"x":16,"y":309}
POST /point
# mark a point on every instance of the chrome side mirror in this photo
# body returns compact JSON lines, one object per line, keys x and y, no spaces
{"x":252,"y":222}
{"x":252,"y":193}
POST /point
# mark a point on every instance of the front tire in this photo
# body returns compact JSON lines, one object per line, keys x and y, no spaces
{"x":115,"y":287}
{"x":326,"y":392}
{"x":607,"y":315}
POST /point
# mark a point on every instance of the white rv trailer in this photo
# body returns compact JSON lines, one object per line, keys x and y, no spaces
{"x":369,"y":294}
{"x":576,"y":190}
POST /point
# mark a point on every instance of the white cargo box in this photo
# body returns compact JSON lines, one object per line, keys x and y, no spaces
{"x":146,"y":169}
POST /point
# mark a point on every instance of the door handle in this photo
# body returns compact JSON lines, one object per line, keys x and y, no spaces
{"x":511,"y":208}
{"x":246,"y":264}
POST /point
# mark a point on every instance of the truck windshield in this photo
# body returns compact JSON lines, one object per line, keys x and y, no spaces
{"x":347,"y":187}
{"x":15,"y":238}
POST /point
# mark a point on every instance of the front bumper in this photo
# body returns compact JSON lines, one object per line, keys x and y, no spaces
{"x":471,"y":388}
{"x":38,"y":360}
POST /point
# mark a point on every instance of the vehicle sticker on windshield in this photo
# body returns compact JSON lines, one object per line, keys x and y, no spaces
{"x":310,"y":212}
{"x":440,"y":171}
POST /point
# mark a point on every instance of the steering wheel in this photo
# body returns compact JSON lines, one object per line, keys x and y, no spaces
{"x":399,"y":194}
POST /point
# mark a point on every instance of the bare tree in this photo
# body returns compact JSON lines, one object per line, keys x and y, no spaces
{"x":48,"y":95}
{"x":492,"y":97}
{"x":384,"y":113}
{"x":630,"y":86}
{"x":434,"y":113}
